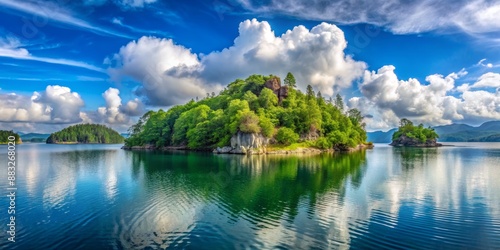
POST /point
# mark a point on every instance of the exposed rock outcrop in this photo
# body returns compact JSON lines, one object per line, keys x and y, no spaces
{"x":245,"y":143}
{"x":404,"y":141}
{"x":274,"y":84}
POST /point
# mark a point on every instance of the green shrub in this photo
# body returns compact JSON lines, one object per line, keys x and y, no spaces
{"x":286,"y":136}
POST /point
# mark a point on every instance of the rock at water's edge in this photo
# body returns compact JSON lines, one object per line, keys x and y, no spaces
{"x":404,"y":141}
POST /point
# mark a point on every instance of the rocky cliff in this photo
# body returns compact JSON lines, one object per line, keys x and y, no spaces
{"x":404,"y":141}
{"x":274,"y":84}
{"x":245,"y":143}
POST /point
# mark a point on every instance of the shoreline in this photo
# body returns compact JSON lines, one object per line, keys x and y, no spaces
{"x":265,"y":151}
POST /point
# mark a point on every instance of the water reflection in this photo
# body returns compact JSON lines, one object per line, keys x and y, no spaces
{"x":98,"y":196}
{"x":259,"y":195}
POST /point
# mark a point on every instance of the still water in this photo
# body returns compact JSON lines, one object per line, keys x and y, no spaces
{"x":101,"y":197}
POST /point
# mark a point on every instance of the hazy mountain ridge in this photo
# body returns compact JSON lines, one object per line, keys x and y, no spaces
{"x":486,"y":132}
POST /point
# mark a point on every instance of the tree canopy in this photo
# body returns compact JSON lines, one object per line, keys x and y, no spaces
{"x":86,"y":133}
{"x":406,"y":128}
{"x":4,"y":136}
{"x":248,"y":106}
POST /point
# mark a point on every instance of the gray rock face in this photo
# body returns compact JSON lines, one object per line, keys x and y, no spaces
{"x":405,"y":141}
{"x":245,"y":143}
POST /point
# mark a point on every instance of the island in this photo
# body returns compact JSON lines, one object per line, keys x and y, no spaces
{"x":5,"y":134}
{"x":257,"y":115}
{"x":85,"y":133}
{"x":409,"y":135}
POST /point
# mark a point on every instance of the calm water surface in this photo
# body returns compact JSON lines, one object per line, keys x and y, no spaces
{"x":101,"y":197}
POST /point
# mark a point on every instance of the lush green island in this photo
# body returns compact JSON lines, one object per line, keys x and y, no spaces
{"x":85,"y":133}
{"x":4,"y":137}
{"x":409,"y":135}
{"x":253,"y":116}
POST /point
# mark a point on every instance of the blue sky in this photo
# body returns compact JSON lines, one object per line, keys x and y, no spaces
{"x":107,"y":61}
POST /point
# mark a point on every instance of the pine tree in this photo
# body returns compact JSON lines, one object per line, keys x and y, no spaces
{"x":290,"y":80}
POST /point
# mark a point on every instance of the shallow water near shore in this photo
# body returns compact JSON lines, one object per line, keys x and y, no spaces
{"x":102,"y":197}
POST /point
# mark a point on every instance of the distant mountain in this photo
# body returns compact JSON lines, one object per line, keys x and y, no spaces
{"x":33,"y":137}
{"x":487,"y":132}
{"x":380,"y":136}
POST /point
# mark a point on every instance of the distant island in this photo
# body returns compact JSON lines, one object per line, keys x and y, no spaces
{"x":33,"y":137}
{"x":486,"y":132}
{"x":5,"y":134}
{"x":85,"y":133}
{"x":409,"y":135}
{"x":253,"y":116}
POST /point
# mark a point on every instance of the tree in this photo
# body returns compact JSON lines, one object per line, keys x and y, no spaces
{"x":286,"y":136}
{"x":355,"y":116}
{"x":339,"y":103}
{"x":249,"y":122}
{"x":267,"y":98}
{"x":290,"y":80}
{"x":309,"y":92}
{"x":248,"y":106}
{"x":405,"y":122}
{"x":86,"y":133}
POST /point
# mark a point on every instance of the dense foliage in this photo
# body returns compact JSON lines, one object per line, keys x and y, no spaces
{"x":86,"y":133}
{"x":248,"y":106}
{"x":406,"y":128}
{"x":4,"y":136}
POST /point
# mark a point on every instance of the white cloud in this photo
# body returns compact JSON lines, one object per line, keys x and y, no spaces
{"x":148,"y":60}
{"x":135,"y":3}
{"x":399,"y":16}
{"x":115,"y":114}
{"x":171,"y":74}
{"x":48,"y":11}
{"x":119,"y":22}
{"x":122,"y":3}
{"x":389,"y":99}
{"x":314,"y":56}
{"x":11,"y":47}
{"x":488,"y":80}
{"x":57,"y":104}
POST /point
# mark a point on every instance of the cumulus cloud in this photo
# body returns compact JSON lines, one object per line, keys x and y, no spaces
{"x":171,"y":74}
{"x":399,"y":16}
{"x":149,"y":60}
{"x":57,"y":104}
{"x":115,"y":113}
{"x":315,"y":56}
{"x":388,"y":99}
{"x":488,"y":80}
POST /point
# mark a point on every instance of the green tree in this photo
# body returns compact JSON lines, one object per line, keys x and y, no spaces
{"x":267,"y":99}
{"x":309,"y":92}
{"x":286,"y":136}
{"x":339,"y":103}
{"x":290,"y":80}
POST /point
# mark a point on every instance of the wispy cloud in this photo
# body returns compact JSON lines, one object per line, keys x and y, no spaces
{"x":55,"y":13}
{"x":11,"y":47}
{"x":119,"y":22}
{"x":398,"y":16}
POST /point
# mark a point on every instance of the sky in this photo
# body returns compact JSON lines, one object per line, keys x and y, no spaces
{"x":65,"y":62}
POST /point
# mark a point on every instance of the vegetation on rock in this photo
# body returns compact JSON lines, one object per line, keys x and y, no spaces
{"x":258,"y":104}
{"x":86,"y":133}
{"x":4,"y":137}
{"x":410,"y":135}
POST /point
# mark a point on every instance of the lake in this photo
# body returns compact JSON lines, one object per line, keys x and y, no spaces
{"x":102,"y":197}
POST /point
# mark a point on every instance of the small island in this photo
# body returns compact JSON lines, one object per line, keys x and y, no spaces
{"x":4,"y":137}
{"x":85,"y":133}
{"x":409,"y":135}
{"x":257,"y":115}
